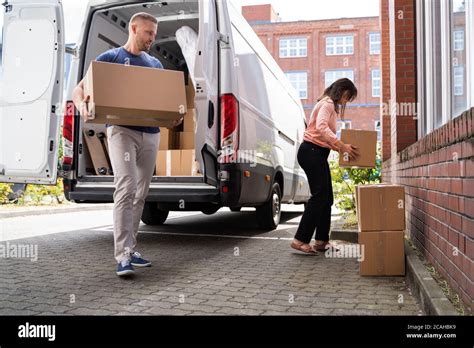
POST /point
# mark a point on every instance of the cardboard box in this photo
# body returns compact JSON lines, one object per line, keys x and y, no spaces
{"x":366,"y":141}
{"x":380,"y":207}
{"x":176,"y":163}
{"x":383,"y":253}
{"x":168,"y":139}
{"x":188,"y":163}
{"x":168,"y":163}
{"x":187,"y":140}
{"x":134,"y":95}
{"x":189,"y":123}
{"x":190,"y":94}
{"x":161,"y":163}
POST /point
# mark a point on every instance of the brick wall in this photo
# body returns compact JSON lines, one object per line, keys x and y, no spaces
{"x":259,"y":13}
{"x":438,"y":175}
{"x":437,"y":170}
{"x":385,"y":69}
{"x":365,"y":110}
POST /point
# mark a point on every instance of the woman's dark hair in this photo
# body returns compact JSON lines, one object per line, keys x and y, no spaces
{"x":336,"y":92}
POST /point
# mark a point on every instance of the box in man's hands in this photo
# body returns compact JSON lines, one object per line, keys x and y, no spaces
{"x":134,"y":95}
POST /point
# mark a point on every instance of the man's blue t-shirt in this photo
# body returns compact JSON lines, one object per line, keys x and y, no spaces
{"x":121,"y":56}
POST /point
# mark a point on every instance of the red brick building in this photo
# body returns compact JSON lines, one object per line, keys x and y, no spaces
{"x":428,"y":144}
{"x":316,"y":53}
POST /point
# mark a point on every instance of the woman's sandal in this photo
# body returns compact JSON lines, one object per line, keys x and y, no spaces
{"x":324,"y":247}
{"x":303,"y":247}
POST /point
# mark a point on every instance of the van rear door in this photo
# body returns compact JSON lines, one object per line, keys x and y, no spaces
{"x":207,"y":78}
{"x":32,"y":85}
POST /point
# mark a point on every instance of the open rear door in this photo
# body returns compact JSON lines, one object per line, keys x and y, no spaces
{"x":32,"y":85}
{"x":207,"y":79}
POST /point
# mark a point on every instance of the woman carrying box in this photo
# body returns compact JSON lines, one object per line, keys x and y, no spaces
{"x":319,"y":139}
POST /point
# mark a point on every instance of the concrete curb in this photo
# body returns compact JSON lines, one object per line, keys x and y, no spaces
{"x":424,"y":287}
{"x":351,"y":236}
{"x":55,"y":210}
{"x":430,"y":296}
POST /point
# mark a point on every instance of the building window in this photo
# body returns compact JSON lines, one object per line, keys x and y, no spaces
{"x":293,"y":47}
{"x":444,"y":78}
{"x":458,"y":40}
{"x":334,"y":75}
{"x":339,"y":45}
{"x":458,"y":81}
{"x":376,"y":83}
{"x":299,"y":81}
{"x":378,"y":129}
{"x":345,"y":124}
{"x":459,"y":56}
{"x":374,"y":39}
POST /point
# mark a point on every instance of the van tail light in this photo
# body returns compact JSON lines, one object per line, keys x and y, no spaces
{"x":229,"y":128}
{"x":68,"y":133}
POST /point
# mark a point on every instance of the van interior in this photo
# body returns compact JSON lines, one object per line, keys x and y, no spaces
{"x":109,"y":29}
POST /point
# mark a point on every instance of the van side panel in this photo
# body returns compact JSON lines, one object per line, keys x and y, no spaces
{"x":270,"y":114}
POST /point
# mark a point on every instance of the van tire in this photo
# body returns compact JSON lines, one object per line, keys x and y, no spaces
{"x":210,"y":210}
{"x":268,"y":214}
{"x":152,"y":215}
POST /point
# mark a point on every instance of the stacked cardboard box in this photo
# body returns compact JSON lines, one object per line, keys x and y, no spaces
{"x":381,"y":216}
{"x":176,"y":163}
{"x":187,"y":136}
{"x":177,"y":156}
{"x":168,"y":139}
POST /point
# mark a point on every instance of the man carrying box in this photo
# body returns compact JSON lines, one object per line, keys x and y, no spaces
{"x":132,"y":149}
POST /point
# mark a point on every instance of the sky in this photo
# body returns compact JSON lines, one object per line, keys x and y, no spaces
{"x":289,"y":10}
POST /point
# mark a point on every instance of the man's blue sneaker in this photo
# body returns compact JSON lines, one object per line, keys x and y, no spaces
{"x":138,"y":261}
{"x":125,"y":268}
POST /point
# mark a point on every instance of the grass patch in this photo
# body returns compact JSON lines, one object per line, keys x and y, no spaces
{"x":350,"y":221}
{"x":451,"y":295}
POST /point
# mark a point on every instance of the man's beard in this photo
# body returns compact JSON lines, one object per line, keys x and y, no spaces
{"x":143,"y":46}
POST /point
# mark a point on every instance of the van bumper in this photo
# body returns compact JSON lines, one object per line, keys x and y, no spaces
{"x":161,"y":193}
{"x":252,"y":190}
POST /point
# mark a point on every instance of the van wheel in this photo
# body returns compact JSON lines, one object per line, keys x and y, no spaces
{"x":210,"y":210}
{"x":268,"y":214}
{"x":152,"y":215}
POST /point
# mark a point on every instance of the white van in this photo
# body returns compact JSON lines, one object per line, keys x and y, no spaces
{"x":245,"y":106}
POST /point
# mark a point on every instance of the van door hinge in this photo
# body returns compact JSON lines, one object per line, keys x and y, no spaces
{"x":8,"y":7}
{"x":224,"y":39}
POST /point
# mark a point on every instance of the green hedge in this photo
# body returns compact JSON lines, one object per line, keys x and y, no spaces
{"x":346,"y":179}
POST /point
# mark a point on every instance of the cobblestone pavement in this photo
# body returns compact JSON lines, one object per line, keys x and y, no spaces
{"x":202,"y":265}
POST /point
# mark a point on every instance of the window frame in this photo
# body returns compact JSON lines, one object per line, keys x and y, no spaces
{"x":288,"y":49}
{"x":380,"y":82}
{"x":297,"y":89}
{"x":371,"y":51}
{"x":458,"y":68}
{"x":335,"y":71}
{"x":427,"y":109}
{"x":463,"y":40}
{"x":344,"y":45}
